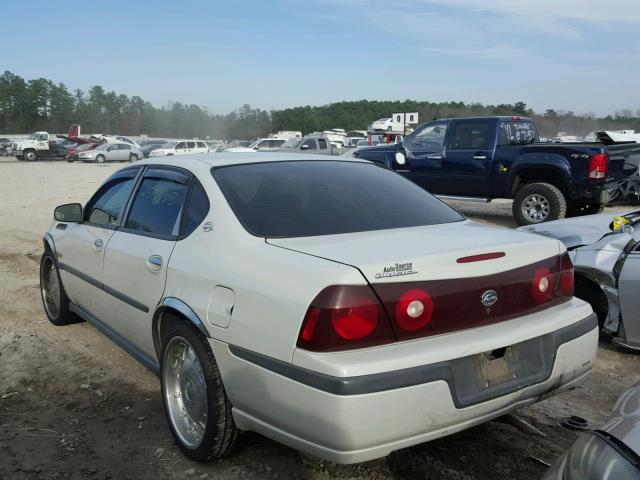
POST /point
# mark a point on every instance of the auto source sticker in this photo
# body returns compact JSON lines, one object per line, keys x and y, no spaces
{"x":397,"y":270}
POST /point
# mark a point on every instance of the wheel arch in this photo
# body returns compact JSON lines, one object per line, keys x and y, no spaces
{"x":553,"y":175}
{"x":177,"y":307}
{"x":48,"y":242}
{"x":591,"y":291}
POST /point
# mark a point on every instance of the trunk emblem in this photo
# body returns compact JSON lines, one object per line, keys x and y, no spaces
{"x":489,"y":298}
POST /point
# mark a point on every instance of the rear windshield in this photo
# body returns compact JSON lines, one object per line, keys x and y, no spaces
{"x":518,"y":133}
{"x":309,"y":198}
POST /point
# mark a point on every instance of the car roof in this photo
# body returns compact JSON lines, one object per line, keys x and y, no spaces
{"x":231,"y":158}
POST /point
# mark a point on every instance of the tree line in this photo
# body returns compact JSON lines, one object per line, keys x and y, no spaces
{"x":41,"y":104}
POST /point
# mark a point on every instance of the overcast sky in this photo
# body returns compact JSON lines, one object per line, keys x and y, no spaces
{"x":580,"y":55}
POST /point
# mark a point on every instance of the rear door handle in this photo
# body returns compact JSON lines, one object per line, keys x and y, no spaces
{"x":154,"y":263}
{"x":98,"y":245}
{"x":479,"y":157}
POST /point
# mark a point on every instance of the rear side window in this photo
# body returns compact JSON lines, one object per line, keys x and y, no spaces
{"x":158,"y":204}
{"x":517,"y":133}
{"x":470,"y":136}
{"x":309,"y":198}
{"x":197,"y":209}
{"x":191,"y":144}
{"x":107,"y":205}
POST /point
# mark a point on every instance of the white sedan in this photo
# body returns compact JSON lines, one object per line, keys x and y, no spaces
{"x":326,"y":303}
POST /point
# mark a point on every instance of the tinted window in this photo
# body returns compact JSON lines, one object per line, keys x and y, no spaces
{"x":196,"y":210}
{"x":180,"y":145}
{"x":107,"y":205}
{"x":428,"y":138}
{"x":518,"y":133}
{"x":158,"y":203}
{"x":322,"y":144}
{"x":201,"y":145}
{"x":311,"y":144}
{"x":470,"y":135}
{"x":191,"y":144}
{"x":307,"y":198}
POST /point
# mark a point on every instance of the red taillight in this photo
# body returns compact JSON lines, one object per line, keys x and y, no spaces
{"x":480,"y":258}
{"x":344,"y":317}
{"x":598,"y":165}
{"x":566,"y":276}
{"x":414,"y":310}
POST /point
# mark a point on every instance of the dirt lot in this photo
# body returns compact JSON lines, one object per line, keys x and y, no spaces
{"x":73,"y":405}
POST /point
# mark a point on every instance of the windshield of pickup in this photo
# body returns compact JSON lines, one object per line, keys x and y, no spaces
{"x":291,"y":143}
{"x":518,"y":132}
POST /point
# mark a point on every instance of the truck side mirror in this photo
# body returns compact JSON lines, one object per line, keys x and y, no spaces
{"x":400,"y":158}
{"x":70,"y":212}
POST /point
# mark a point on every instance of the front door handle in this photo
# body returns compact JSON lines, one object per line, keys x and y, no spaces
{"x":98,"y":245}
{"x":479,"y":157}
{"x":154,"y":263}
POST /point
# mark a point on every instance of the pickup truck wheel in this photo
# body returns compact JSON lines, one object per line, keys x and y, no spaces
{"x":30,"y":156}
{"x":579,"y":209}
{"x":195,"y":402}
{"x":537,"y":203}
{"x":54,"y":298}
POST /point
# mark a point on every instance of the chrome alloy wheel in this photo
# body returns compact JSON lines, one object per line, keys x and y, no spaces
{"x":50,"y":286}
{"x":185,"y":391}
{"x":535,"y":208}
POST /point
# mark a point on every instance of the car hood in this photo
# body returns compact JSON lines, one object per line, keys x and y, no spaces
{"x":624,"y":423}
{"x":574,"y":232}
{"x":426,"y":253}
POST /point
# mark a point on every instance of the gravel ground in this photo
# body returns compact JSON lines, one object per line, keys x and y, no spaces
{"x":73,"y":405}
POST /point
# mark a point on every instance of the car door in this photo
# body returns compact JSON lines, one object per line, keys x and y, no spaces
{"x":201,"y":147}
{"x":181,"y":148}
{"x":424,"y":155}
{"x":81,"y":249}
{"x":137,"y":254}
{"x":123,"y":152}
{"x":628,"y":288}
{"x":191,"y":147}
{"x":466,"y":168}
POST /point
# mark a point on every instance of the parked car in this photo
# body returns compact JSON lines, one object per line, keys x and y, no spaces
{"x":607,"y":266}
{"x":386,"y":124}
{"x":611,"y":452}
{"x":479,"y":159}
{"x":73,"y":152}
{"x":111,"y":152}
{"x":317,"y":144}
{"x":148,"y":147}
{"x":262,"y":290}
{"x":183,"y":147}
{"x":238,"y":143}
{"x":262,"y":145}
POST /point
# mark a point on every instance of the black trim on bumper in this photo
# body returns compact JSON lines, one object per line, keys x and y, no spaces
{"x":98,"y":284}
{"x":408,"y":377}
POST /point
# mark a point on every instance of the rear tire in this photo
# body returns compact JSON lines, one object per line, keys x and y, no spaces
{"x":100,"y":159}
{"x":538,"y":202}
{"x":195,"y":402}
{"x":133,"y":157}
{"x":54,"y":298}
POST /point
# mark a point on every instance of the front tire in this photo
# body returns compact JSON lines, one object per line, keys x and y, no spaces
{"x":54,"y":298}
{"x":538,"y":202}
{"x":30,"y":156}
{"x":195,"y":403}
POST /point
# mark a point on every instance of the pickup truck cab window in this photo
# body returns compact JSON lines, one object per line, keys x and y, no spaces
{"x":158,"y":203}
{"x":470,"y":135}
{"x":517,"y":133}
{"x":107,"y":205}
{"x":310,"y":144}
{"x":322,"y":144}
{"x":428,"y":138}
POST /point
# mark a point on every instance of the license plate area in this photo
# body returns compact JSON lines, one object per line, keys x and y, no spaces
{"x":492,"y":374}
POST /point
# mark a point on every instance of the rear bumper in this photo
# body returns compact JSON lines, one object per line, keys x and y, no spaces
{"x":359,"y":418}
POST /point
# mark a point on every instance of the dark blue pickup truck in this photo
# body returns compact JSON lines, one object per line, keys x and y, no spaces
{"x":483,"y":158}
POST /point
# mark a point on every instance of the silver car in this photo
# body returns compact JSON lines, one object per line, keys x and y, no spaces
{"x":607,"y":269}
{"x":112,"y":152}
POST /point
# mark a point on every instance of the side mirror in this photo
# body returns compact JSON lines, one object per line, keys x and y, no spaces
{"x":304,"y":147}
{"x":256,"y":148}
{"x":70,"y":212}
{"x":400,"y":158}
